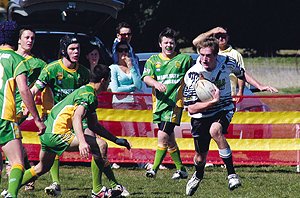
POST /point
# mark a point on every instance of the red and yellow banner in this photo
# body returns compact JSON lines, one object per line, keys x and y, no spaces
{"x":260,"y":132}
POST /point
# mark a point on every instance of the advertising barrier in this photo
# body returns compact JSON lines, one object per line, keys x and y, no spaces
{"x":265,"y":130}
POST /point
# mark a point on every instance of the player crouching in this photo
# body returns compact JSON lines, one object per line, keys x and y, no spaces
{"x":64,"y":132}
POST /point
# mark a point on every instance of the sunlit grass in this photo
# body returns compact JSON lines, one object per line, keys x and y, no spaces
{"x":258,"y":181}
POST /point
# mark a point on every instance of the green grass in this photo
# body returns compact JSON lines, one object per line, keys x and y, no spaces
{"x":258,"y":181}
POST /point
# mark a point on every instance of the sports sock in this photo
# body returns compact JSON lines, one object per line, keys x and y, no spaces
{"x":110,"y":175}
{"x":229,"y":165}
{"x":226,"y":155}
{"x":97,"y":168}
{"x":175,"y":155}
{"x":54,"y":171}
{"x":29,"y":175}
{"x":15,"y":179}
{"x":200,"y":170}
{"x":159,"y":157}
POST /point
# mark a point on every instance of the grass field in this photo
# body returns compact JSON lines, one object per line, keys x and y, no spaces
{"x":257,"y":181}
{"x":282,"y":73}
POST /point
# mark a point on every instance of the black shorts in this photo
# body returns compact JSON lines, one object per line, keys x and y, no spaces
{"x":201,"y":127}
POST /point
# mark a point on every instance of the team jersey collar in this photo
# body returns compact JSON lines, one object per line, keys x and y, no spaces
{"x":6,"y":48}
{"x":91,"y":86}
{"x":68,"y":69}
{"x":165,"y":58}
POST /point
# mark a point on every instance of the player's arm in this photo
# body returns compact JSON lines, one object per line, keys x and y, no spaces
{"x":29,"y":102}
{"x":103,"y":132}
{"x":209,"y":33}
{"x":258,"y":85}
{"x":201,"y":106}
{"x":153,"y":83}
{"x":84,"y":147}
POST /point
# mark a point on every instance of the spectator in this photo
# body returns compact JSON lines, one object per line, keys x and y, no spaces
{"x":70,"y":135}
{"x":14,"y":74}
{"x":124,"y":78}
{"x":211,"y":119}
{"x":225,"y":49}
{"x":164,"y":73}
{"x":124,"y":33}
{"x":93,"y":56}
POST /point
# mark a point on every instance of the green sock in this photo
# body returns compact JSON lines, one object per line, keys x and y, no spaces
{"x":54,"y":171}
{"x":175,"y":155}
{"x":159,"y":157}
{"x":15,"y":179}
{"x":29,"y":175}
{"x":97,"y":168}
{"x":110,"y":175}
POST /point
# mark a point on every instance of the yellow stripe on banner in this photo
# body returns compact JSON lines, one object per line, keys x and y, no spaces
{"x":283,"y":117}
{"x":280,"y":117}
{"x":188,"y":143}
{"x":276,"y":117}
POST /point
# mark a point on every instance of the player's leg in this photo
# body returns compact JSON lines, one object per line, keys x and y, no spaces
{"x":27,"y":165}
{"x":200,"y":133}
{"x":161,"y":151}
{"x":217,"y":131}
{"x":97,"y":168}
{"x":13,"y":151}
{"x":44,"y":165}
{"x":173,"y":149}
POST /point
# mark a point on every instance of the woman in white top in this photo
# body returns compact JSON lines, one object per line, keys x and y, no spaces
{"x":125,"y":78}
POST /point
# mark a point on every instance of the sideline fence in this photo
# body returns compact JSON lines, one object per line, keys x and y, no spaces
{"x":265,"y":130}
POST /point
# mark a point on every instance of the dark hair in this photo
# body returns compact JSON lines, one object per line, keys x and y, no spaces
{"x":122,"y":25}
{"x":90,"y":48}
{"x":167,"y":32}
{"x":23,"y":29}
{"x":8,"y":32}
{"x":100,"y":71}
{"x":65,"y":42}
{"x":122,"y":43}
{"x":210,"y":42}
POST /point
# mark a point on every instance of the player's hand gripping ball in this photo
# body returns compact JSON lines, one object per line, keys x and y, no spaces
{"x":204,"y":90}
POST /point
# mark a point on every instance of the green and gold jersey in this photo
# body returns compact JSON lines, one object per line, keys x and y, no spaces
{"x":61,"y":80}
{"x":11,"y":65}
{"x":169,"y":72}
{"x":60,"y":118}
{"x":36,"y":65}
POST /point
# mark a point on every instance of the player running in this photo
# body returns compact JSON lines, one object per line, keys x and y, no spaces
{"x":211,"y":119}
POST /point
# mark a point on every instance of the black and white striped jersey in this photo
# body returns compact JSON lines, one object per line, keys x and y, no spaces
{"x":219,"y":76}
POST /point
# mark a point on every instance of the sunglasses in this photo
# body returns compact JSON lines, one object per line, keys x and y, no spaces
{"x":123,"y":50}
{"x":217,"y":36}
{"x":126,"y":34}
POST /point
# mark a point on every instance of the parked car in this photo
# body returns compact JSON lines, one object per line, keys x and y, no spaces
{"x":53,"y":19}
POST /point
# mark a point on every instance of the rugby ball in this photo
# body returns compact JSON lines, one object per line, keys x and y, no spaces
{"x":204,"y":90}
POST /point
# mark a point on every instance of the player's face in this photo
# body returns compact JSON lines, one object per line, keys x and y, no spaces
{"x":93,"y":57}
{"x":26,"y":40}
{"x":125,"y":34}
{"x":74,"y":52}
{"x":167,"y":46}
{"x":207,"y":59}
